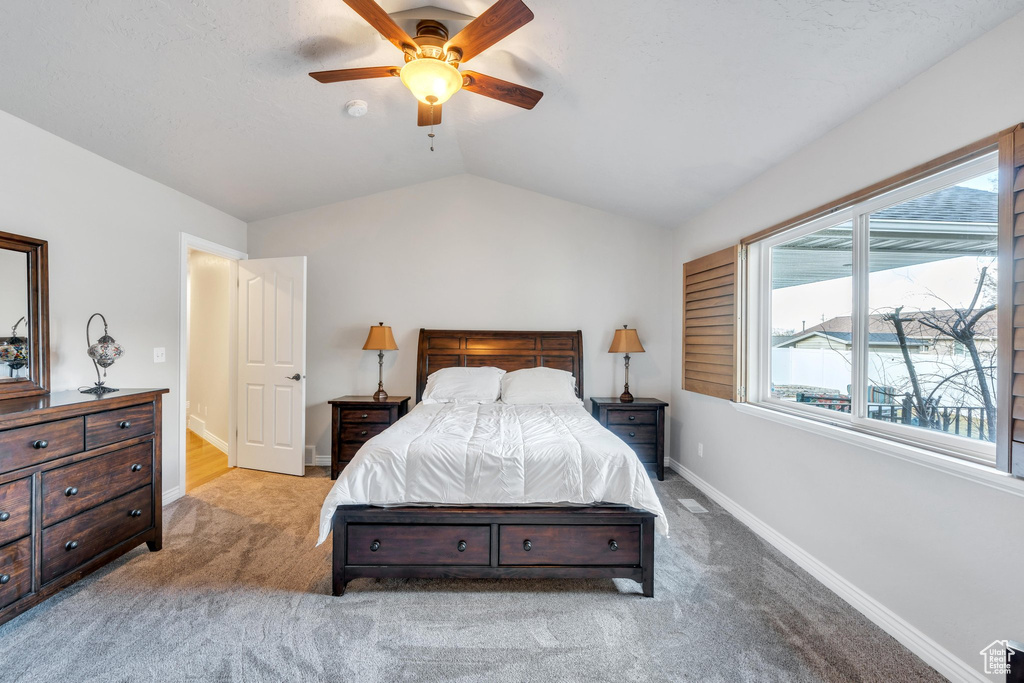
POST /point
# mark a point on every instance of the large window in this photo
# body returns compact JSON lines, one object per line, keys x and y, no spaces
{"x":882,"y":316}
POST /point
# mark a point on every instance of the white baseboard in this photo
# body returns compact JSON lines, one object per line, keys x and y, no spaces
{"x":198,"y":426}
{"x":322,"y":461}
{"x":314,"y":459}
{"x":217,"y":442}
{"x":171,"y":495}
{"x":936,"y":656}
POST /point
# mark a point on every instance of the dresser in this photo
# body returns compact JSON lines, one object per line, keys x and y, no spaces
{"x":79,"y":487}
{"x":641,"y":424}
{"x":356,"y":419}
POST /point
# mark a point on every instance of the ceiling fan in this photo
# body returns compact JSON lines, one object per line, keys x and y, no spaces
{"x":432,"y":59}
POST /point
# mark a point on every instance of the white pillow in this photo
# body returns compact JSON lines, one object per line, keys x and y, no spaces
{"x":463,"y":385}
{"x":539,"y":385}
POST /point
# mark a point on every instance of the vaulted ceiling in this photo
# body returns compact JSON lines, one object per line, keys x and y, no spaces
{"x":651,"y":109}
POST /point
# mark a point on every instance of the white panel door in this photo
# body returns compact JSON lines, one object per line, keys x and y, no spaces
{"x":272,"y":364}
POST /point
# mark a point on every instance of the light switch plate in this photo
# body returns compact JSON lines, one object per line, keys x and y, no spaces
{"x":159,"y":355}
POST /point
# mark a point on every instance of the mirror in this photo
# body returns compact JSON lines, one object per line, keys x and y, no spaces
{"x":24,"y":317}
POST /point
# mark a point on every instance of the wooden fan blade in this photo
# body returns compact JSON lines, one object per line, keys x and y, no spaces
{"x":499,"y":20}
{"x":376,"y":17}
{"x":497,"y":89}
{"x":423,"y":118}
{"x":355,"y":74}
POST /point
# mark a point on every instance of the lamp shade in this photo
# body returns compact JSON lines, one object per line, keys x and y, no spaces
{"x":380,"y":339}
{"x":626,"y":341}
{"x":432,"y":81}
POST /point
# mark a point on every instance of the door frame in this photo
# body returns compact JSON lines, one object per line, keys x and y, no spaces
{"x":192,"y":243}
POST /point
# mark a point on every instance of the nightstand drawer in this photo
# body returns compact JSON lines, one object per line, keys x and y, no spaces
{"x":366,"y":415}
{"x":630,"y":417}
{"x":634,"y":434}
{"x":645,"y":452}
{"x":361,"y":433}
{"x":347,"y":451}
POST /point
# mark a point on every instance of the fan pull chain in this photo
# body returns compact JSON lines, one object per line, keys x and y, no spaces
{"x":431,"y":133}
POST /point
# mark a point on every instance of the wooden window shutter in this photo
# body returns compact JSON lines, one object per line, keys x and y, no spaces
{"x":711,"y":325}
{"x":1011,"y":210}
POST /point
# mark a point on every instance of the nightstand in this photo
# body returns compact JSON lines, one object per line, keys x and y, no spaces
{"x":641,"y":424}
{"x":355,"y":419}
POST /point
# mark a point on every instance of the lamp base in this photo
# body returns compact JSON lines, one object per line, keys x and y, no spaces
{"x":382,"y":395}
{"x":98,"y":389}
{"x":625,"y":397}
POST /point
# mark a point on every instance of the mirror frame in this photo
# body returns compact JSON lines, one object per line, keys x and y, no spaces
{"x":38,"y":335}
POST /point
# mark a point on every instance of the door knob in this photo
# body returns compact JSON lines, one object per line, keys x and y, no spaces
{"x":296,"y":377}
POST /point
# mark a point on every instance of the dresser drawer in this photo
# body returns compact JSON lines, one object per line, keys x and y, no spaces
{"x":633,"y":434}
{"x":418,"y":544}
{"x":75,"y":541}
{"x":15,"y":510}
{"x":72,"y":489}
{"x":15,"y":571}
{"x":361,"y":433}
{"x":30,"y":445}
{"x":632,"y":417}
{"x":366,"y":415}
{"x":117,"y":425}
{"x":569,"y":545}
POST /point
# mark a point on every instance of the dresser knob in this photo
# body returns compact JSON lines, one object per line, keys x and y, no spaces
{"x":4,"y":516}
{"x":70,"y":545}
{"x":40,"y":443}
{"x":365,"y":416}
{"x":362,"y":433}
{"x":71,"y":491}
{"x":632,"y":417}
{"x":375,"y":546}
{"x":136,"y":468}
{"x":135,"y":513}
{"x":527,"y":545}
{"x":462,"y":546}
{"x":613,"y":545}
{"x":632,"y":433}
{"x":124,"y":424}
{"x":4,"y":578}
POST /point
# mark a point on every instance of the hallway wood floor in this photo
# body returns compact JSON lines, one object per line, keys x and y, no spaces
{"x":203,"y":461}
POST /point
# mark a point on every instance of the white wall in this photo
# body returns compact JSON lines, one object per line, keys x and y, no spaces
{"x":938,"y":551}
{"x":209,"y":328}
{"x":463,"y":252}
{"x":113,"y":245}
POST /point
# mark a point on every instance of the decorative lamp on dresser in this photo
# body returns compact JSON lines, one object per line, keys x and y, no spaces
{"x":640,"y":423}
{"x":356,"y":419}
{"x":79,"y":473}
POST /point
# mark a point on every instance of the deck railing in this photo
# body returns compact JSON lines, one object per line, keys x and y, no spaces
{"x":968,"y":421}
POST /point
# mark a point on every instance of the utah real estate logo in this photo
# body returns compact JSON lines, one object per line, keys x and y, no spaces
{"x":997,"y":656}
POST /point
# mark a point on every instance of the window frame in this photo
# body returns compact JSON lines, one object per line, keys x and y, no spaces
{"x":857,"y":212}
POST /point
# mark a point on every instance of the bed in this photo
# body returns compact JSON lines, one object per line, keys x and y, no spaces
{"x":494,"y":491}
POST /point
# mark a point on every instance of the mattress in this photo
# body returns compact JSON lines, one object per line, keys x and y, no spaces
{"x":494,"y":454}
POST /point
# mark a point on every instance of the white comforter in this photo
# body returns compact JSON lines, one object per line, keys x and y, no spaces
{"x":494,"y":454}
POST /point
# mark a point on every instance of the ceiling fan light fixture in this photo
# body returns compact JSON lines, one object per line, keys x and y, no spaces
{"x":431,"y":81}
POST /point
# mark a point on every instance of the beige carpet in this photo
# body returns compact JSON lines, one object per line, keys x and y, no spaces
{"x":239,"y":593}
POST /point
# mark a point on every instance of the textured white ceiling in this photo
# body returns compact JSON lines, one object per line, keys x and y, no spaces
{"x":651,"y":109}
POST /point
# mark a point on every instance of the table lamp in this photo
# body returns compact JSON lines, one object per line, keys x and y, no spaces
{"x":14,"y":351}
{"x":103,"y":352}
{"x":380,"y":339}
{"x":626,"y":341}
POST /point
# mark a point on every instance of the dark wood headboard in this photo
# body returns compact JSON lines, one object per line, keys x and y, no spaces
{"x":506,"y":349}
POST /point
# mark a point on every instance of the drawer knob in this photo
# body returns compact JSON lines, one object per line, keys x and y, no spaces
{"x":362,"y":433}
{"x":462,"y":546}
{"x":632,"y":417}
{"x":135,"y":513}
{"x":71,"y":491}
{"x":364,"y":416}
{"x":40,"y":443}
{"x":527,"y":545}
{"x":4,"y":516}
{"x":124,"y":424}
{"x":70,"y":545}
{"x":375,"y":546}
{"x":613,"y":545}
{"x":4,"y":578}
{"x":136,"y":468}
{"x":632,"y":433}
